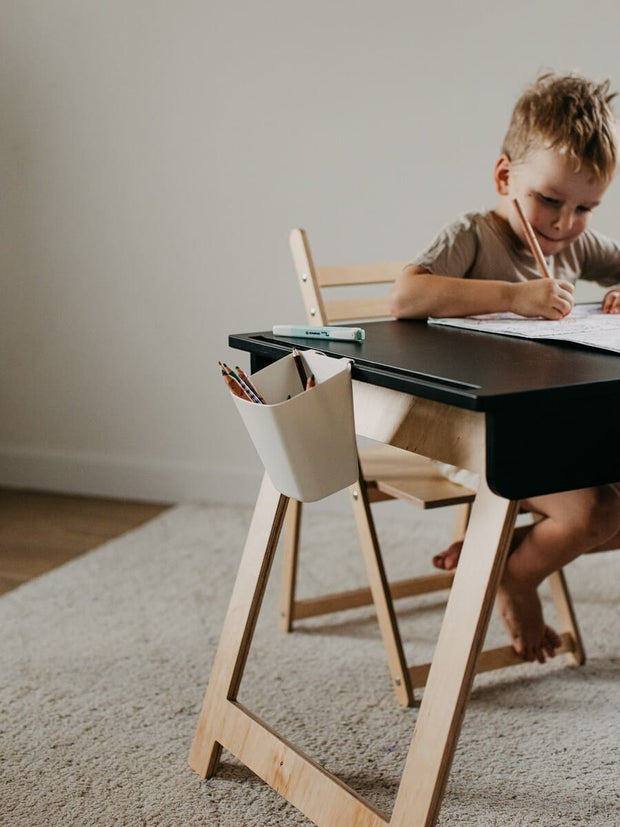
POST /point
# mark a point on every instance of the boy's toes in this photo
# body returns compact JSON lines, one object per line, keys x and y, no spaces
{"x":448,"y":559}
{"x":518,"y":644}
{"x":551,"y":641}
{"x":533,"y":653}
{"x":528,"y":650}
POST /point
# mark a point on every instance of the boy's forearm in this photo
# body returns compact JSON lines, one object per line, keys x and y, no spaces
{"x":417,"y":295}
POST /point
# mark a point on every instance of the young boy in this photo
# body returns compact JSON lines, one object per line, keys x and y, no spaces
{"x":558,"y":158}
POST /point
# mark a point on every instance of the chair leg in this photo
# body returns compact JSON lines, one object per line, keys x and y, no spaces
{"x":566,"y":615}
{"x":380,"y":590}
{"x":288,"y":586}
{"x":462,"y":519}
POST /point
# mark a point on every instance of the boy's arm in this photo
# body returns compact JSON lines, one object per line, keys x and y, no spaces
{"x":417,"y":294}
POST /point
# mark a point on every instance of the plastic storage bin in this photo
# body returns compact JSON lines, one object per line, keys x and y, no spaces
{"x":306,"y":443}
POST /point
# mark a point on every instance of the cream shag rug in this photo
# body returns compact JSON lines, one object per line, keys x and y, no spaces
{"x":104,"y":662}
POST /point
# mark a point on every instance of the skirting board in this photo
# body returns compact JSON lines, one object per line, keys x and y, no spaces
{"x":133,"y":479}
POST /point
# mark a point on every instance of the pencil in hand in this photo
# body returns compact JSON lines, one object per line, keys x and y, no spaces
{"x":532,"y":241}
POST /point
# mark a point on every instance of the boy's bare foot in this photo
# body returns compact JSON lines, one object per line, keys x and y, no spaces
{"x":519,"y":608}
{"x":448,"y":559}
{"x":521,"y":612}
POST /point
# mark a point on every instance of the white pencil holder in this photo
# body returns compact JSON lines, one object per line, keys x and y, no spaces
{"x":306,"y":443}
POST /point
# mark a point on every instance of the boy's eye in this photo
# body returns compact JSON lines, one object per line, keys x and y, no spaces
{"x":547,"y":199}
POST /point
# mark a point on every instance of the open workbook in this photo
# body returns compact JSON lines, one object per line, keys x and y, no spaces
{"x":585,"y":325}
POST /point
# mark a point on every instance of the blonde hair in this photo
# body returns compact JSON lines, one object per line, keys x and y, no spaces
{"x":568,"y":113}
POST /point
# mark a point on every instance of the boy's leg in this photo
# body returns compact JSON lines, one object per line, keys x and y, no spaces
{"x":448,"y":559}
{"x":574,"y":523}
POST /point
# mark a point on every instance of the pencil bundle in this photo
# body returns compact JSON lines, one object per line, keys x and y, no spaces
{"x":240,"y":384}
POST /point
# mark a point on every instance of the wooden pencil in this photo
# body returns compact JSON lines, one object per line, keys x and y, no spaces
{"x":246,"y":379}
{"x":532,"y":241}
{"x":300,"y":368}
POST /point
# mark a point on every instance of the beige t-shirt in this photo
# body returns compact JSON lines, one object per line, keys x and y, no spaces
{"x":477,"y":246}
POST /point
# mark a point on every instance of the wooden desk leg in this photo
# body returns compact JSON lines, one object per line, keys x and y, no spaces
{"x":452,"y":671}
{"x":239,"y":625}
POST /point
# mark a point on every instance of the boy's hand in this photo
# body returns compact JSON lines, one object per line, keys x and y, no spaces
{"x":543,"y":297}
{"x":611,"y":300}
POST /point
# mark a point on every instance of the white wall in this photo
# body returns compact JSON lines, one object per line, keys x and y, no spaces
{"x":155,"y":153}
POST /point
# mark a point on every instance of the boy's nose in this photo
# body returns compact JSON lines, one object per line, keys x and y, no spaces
{"x":564,"y":220}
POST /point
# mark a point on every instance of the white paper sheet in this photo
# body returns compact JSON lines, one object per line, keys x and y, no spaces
{"x":586,"y":325}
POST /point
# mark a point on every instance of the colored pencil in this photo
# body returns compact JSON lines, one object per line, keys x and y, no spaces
{"x":300,"y":368}
{"x":245,"y":378}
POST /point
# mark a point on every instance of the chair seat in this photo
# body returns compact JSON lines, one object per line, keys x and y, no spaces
{"x":406,"y":476}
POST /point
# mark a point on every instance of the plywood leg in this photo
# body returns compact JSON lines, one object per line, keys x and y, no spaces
{"x":288,"y":587}
{"x":382,"y":599}
{"x":239,"y":625}
{"x":463,"y":513}
{"x":452,"y":671}
{"x":566,"y":615}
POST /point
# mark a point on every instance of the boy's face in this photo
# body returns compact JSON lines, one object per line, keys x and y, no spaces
{"x":557,"y":201}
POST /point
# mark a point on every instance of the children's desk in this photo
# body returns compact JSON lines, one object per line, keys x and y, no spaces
{"x":532,"y":418}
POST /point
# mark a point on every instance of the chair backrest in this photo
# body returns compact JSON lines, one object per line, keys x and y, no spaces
{"x":315,"y":283}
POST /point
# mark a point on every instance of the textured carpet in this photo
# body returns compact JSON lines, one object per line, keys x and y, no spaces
{"x":104,"y":662}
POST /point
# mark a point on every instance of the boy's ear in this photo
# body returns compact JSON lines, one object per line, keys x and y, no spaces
{"x":501,"y":174}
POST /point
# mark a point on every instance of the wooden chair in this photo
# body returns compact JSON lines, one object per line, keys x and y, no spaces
{"x":386,"y":473}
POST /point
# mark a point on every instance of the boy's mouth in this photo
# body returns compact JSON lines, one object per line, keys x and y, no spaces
{"x":546,"y":239}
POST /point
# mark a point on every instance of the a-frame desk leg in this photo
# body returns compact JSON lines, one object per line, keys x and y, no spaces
{"x":239,"y":625}
{"x":454,"y":664}
{"x":321,"y":796}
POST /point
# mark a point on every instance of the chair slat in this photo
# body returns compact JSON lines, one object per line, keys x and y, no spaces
{"x":352,"y":274}
{"x":346,"y":310}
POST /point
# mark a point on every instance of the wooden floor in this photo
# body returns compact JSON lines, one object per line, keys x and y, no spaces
{"x":40,"y":531}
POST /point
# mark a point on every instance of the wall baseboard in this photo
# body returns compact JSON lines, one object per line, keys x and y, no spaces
{"x":130,"y":479}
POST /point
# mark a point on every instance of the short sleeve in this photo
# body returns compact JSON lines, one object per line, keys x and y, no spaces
{"x":453,"y":250}
{"x":601,"y":259}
